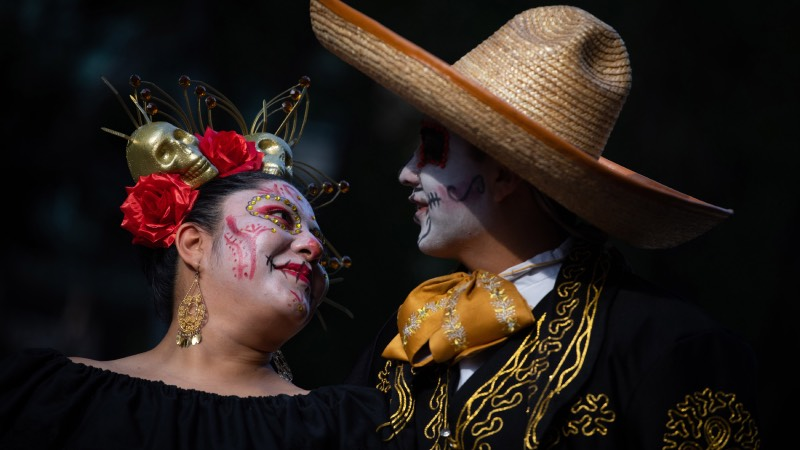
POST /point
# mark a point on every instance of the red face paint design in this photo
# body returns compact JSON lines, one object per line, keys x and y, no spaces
{"x":298,"y":303}
{"x":284,"y":190}
{"x":450,"y":198}
{"x":242,"y":243}
{"x":273,"y":204}
{"x":272,"y":250}
{"x":300,"y":272}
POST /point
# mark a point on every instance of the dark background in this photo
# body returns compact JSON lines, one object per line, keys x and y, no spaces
{"x":712,"y":112}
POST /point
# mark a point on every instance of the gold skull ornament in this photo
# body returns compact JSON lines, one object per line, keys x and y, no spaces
{"x":277,"y":158}
{"x":160,"y":147}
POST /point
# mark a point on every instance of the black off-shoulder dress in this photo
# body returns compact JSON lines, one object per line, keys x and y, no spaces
{"x":49,"y":402}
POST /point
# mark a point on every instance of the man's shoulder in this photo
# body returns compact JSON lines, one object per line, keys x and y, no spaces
{"x":642,"y":311}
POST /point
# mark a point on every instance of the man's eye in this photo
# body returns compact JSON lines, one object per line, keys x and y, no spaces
{"x":434,"y":145}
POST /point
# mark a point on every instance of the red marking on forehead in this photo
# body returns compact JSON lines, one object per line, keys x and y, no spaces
{"x":282,"y":189}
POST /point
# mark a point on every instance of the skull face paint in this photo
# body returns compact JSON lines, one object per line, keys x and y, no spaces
{"x":449,"y":189}
{"x":273,"y":250}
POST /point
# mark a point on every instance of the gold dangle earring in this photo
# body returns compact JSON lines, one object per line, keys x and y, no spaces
{"x":191,"y":315}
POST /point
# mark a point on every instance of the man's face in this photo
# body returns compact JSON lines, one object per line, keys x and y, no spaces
{"x":449,"y":189}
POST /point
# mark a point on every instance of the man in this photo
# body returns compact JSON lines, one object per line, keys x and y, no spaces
{"x":546,"y":339}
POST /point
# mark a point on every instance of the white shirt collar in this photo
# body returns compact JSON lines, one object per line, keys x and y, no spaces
{"x":535,"y":283}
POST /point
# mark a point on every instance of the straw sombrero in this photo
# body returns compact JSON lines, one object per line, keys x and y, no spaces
{"x":541,"y":95}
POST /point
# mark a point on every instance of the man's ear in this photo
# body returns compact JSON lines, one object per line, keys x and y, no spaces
{"x":505,"y":183}
{"x":190,"y":241}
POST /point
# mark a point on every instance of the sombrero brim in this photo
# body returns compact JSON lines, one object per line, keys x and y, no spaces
{"x":619,"y":201}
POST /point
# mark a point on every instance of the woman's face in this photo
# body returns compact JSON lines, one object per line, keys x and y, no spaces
{"x":265,"y":268}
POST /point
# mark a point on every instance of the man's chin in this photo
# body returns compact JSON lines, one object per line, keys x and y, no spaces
{"x":429,"y":248}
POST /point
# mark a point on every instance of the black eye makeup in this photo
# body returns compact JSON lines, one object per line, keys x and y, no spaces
{"x":434,"y":145}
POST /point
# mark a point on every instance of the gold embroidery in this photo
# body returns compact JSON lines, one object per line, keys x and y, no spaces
{"x":453,"y":329}
{"x":592,"y":415}
{"x":504,"y":309}
{"x":415,"y":320}
{"x":575,"y":292}
{"x":438,"y":403}
{"x":588,"y":416}
{"x":383,"y":378}
{"x":555,"y":348}
{"x":712,"y":420}
{"x":565,"y":338}
{"x":448,"y":318}
{"x":405,"y":403}
{"x":500,"y":393}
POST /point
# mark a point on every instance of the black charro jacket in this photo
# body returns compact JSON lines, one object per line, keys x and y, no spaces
{"x":613,"y":362}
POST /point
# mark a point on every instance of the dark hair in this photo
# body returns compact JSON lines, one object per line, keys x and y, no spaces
{"x":569,"y":221}
{"x":566,"y":219}
{"x":160,"y":265}
{"x":476,"y":153}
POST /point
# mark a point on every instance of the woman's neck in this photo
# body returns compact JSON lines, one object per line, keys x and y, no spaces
{"x":202,"y":369}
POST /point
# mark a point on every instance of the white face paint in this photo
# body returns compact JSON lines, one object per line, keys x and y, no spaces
{"x":268,"y":265}
{"x":449,"y":189}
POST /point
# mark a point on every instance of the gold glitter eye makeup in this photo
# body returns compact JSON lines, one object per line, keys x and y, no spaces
{"x":285,"y":216}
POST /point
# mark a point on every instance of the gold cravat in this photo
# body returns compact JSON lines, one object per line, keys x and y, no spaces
{"x":450,"y":317}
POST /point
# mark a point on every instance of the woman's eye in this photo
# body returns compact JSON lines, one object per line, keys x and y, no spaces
{"x":283,"y":215}
{"x":280,"y":214}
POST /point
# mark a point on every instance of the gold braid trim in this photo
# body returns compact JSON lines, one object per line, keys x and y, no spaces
{"x":384,"y":385}
{"x":438,"y":403}
{"x":548,"y":359}
{"x":500,"y":393}
{"x":584,"y":276}
{"x":405,"y":402}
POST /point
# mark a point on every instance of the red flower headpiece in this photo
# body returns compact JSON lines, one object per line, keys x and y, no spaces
{"x":154,"y":208}
{"x":169,"y":158}
{"x":229,"y":152}
{"x":159,"y":202}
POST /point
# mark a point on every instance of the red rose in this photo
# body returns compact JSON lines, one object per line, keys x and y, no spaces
{"x":155,"y":207}
{"x":229,"y":152}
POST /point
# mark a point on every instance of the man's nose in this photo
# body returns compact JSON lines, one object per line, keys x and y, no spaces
{"x":409,"y":173}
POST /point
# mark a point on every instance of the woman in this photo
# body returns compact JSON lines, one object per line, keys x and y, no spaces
{"x":234,"y":255}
